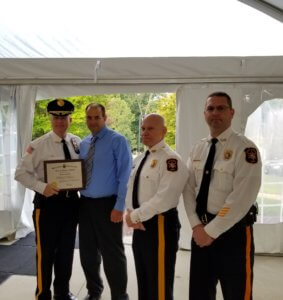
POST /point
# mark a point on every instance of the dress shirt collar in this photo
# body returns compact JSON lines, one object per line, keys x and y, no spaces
{"x":57,"y":139}
{"x":158,"y":146}
{"x":223,"y":137}
{"x":100,"y":134}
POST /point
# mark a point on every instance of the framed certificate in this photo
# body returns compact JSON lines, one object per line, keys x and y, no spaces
{"x":65,"y":174}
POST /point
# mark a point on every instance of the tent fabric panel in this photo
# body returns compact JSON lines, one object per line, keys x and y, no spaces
{"x":62,"y":91}
{"x":129,"y":70}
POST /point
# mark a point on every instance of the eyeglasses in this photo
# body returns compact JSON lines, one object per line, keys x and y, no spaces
{"x":220,"y":108}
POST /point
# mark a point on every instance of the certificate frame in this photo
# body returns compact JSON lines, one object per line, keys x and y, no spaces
{"x":67,"y":175}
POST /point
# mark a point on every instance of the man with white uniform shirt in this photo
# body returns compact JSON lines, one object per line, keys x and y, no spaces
{"x":55,"y":212}
{"x":224,"y":180}
{"x":154,"y":188}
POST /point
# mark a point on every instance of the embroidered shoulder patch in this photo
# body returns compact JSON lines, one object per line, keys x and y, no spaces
{"x":75,"y":145}
{"x":251,"y":155}
{"x":172,"y":165}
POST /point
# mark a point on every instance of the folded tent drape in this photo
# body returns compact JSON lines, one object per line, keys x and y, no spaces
{"x":16,"y":116}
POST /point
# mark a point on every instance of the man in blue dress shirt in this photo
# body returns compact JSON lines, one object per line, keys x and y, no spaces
{"x":108,"y":162}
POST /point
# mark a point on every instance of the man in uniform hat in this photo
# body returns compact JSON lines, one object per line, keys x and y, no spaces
{"x":55,"y":212}
{"x":224,"y":180}
{"x":154,"y":188}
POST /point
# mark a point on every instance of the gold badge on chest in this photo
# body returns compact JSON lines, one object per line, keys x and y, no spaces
{"x":228,"y":154}
{"x":153,"y":163}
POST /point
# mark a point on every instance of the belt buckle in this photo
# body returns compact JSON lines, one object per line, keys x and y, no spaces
{"x":204,"y":219}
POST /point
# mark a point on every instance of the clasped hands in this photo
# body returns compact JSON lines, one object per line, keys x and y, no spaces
{"x":200,"y":236}
{"x":129,"y":222}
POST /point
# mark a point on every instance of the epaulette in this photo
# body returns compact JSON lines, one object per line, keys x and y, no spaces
{"x":246,"y":141}
{"x":34,"y":144}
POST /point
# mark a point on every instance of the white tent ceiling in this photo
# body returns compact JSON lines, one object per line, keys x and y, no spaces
{"x":133,"y":28}
{"x":273,"y":8}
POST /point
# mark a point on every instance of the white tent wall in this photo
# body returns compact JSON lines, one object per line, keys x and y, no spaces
{"x":17,"y":108}
{"x":193,"y":79}
{"x":25,"y":99}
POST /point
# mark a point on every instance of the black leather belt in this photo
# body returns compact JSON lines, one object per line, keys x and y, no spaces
{"x":67,"y":194}
{"x":99,"y":198}
{"x":206,"y":218}
{"x":248,"y":219}
{"x":172,"y":211}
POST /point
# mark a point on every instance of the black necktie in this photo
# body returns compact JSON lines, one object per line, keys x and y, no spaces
{"x":136,"y":181}
{"x":66,"y":150}
{"x":204,"y":187}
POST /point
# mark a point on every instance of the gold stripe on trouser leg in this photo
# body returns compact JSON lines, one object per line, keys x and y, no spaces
{"x":161,"y":258}
{"x":248,"y":264}
{"x":39,"y":254}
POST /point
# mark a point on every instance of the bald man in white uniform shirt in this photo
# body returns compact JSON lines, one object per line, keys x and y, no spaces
{"x":154,"y":188}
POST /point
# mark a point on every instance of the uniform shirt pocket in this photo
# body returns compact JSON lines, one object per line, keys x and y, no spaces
{"x":198,"y":167}
{"x":150,"y":176}
{"x":148,"y":185}
{"x":223,"y":175}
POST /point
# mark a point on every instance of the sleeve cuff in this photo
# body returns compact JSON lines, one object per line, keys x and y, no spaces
{"x":40,"y":187}
{"x":135,"y":218}
{"x":194,"y":220}
{"x":211,"y":230}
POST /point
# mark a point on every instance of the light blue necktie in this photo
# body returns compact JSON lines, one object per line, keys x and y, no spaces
{"x":89,"y":159}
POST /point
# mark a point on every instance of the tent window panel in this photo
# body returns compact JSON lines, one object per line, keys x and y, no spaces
{"x":8,"y":153}
{"x":264,"y":127}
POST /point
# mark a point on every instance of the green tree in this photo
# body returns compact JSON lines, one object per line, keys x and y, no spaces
{"x":125,"y":112}
{"x":41,"y":122}
{"x":166,"y":107}
{"x":120,"y":118}
{"x":140,"y":105}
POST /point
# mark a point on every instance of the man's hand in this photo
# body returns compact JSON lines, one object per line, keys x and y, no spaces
{"x":201,"y":238}
{"x":131,"y":224}
{"x":50,"y":190}
{"x":116,"y":216}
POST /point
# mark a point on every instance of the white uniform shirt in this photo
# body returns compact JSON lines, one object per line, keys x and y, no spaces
{"x":161,"y":182}
{"x":30,"y":171}
{"x":234,"y":184}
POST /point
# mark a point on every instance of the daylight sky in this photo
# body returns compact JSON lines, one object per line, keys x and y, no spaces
{"x":136,"y":28}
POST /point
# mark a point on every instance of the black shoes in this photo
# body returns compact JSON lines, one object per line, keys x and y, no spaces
{"x":69,"y":296}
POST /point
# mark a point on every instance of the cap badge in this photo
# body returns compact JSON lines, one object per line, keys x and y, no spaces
{"x":60,"y":102}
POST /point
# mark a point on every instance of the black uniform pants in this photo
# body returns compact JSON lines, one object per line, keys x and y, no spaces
{"x":155,"y":256}
{"x":99,"y":237}
{"x":55,"y":221}
{"x":229,"y":259}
